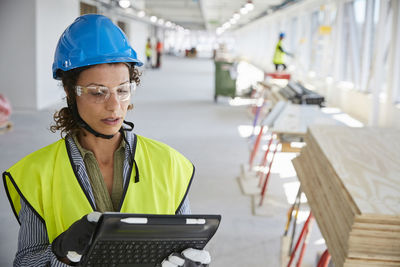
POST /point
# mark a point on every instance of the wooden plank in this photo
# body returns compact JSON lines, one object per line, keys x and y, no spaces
{"x":367,"y":160}
{"x":307,"y":181}
{"x":295,"y":119}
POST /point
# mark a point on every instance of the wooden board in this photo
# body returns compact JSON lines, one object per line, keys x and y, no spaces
{"x":367,"y":160}
{"x":295,"y":119}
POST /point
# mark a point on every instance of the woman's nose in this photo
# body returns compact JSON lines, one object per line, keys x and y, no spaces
{"x":113,"y":101}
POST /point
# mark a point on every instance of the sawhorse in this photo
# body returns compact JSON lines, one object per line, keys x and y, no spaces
{"x":304,"y":238}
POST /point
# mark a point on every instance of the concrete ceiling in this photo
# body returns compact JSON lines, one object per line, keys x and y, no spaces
{"x":186,"y":13}
{"x":206,"y":14}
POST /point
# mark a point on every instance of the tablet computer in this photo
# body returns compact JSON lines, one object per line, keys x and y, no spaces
{"x":143,"y":240}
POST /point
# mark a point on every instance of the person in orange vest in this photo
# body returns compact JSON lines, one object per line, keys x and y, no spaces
{"x":159,"y":49}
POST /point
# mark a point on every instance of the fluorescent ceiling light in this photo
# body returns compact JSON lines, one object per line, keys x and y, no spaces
{"x":243,"y":11}
{"x":249,"y":6}
{"x":124,"y":3}
{"x":153,"y":19}
{"x":226,"y":25}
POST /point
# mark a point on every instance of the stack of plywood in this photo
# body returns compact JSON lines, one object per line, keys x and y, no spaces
{"x":351,"y":177}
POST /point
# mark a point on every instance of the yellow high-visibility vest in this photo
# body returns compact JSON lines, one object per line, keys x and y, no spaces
{"x":46,"y":181}
{"x":279,"y":55}
{"x":148,"y":50}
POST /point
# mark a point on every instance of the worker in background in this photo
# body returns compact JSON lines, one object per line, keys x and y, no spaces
{"x":279,"y":56}
{"x":148,"y":52}
{"x":159,"y":49}
{"x":59,"y":192}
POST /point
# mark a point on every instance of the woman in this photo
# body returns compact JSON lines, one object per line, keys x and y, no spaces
{"x":58,"y":192}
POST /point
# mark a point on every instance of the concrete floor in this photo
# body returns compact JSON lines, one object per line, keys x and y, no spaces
{"x":175,"y":105}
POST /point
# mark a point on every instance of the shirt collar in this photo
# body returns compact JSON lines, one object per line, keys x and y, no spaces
{"x":85,"y":152}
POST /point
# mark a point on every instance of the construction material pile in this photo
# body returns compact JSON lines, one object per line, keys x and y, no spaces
{"x":351,"y":177}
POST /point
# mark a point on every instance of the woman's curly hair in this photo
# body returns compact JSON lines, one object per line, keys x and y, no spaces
{"x":64,"y":119}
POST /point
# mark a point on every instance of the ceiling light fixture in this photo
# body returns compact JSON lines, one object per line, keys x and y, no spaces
{"x":226,"y":25}
{"x":124,"y":3}
{"x":236,"y":16}
{"x":249,"y":6}
{"x":168,"y":24}
{"x":244,"y":11}
{"x":160,"y":21}
{"x":153,"y":19}
{"x":141,"y":14}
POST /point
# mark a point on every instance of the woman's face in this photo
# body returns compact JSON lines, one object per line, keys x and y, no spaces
{"x":107,"y":117}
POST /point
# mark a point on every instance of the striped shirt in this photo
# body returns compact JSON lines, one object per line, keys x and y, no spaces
{"x":33,"y":243}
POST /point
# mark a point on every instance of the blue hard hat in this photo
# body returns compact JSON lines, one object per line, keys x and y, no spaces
{"x":282,"y":35}
{"x":92,"y":39}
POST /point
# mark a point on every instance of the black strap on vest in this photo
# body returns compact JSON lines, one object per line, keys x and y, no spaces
{"x":131,"y":158}
{"x":81,"y":123}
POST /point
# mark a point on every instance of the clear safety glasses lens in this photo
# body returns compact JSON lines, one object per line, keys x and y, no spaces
{"x":100,"y":94}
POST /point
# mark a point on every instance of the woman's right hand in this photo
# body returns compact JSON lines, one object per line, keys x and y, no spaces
{"x":190,"y":257}
{"x":72,"y":243}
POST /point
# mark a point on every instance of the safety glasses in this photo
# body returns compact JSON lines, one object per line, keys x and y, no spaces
{"x":100,"y":94}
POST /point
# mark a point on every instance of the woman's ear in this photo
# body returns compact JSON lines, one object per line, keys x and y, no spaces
{"x":130,"y":107}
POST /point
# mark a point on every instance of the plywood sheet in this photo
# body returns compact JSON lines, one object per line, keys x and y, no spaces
{"x":354,"y":235}
{"x":367,"y":160}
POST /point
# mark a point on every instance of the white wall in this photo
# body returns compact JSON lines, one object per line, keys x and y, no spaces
{"x":358,"y":105}
{"x":28,"y":45}
{"x":396,"y":117}
{"x":138,"y":34}
{"x":18,"y":52}
{"x":52,"y":17}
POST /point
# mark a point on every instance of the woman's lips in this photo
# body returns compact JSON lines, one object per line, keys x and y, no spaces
{"x":111,"y":121}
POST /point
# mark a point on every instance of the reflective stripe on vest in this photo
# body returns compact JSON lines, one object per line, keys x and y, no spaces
{"x":46,"y":181}
{"x":279,"y":55}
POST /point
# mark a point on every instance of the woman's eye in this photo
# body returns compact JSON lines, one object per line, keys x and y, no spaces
{"x":96,"y":92}
{"x":122,"y":91}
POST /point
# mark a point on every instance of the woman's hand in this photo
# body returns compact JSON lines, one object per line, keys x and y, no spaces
{"x":71,"y":244}
{"x":188,"y":258}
